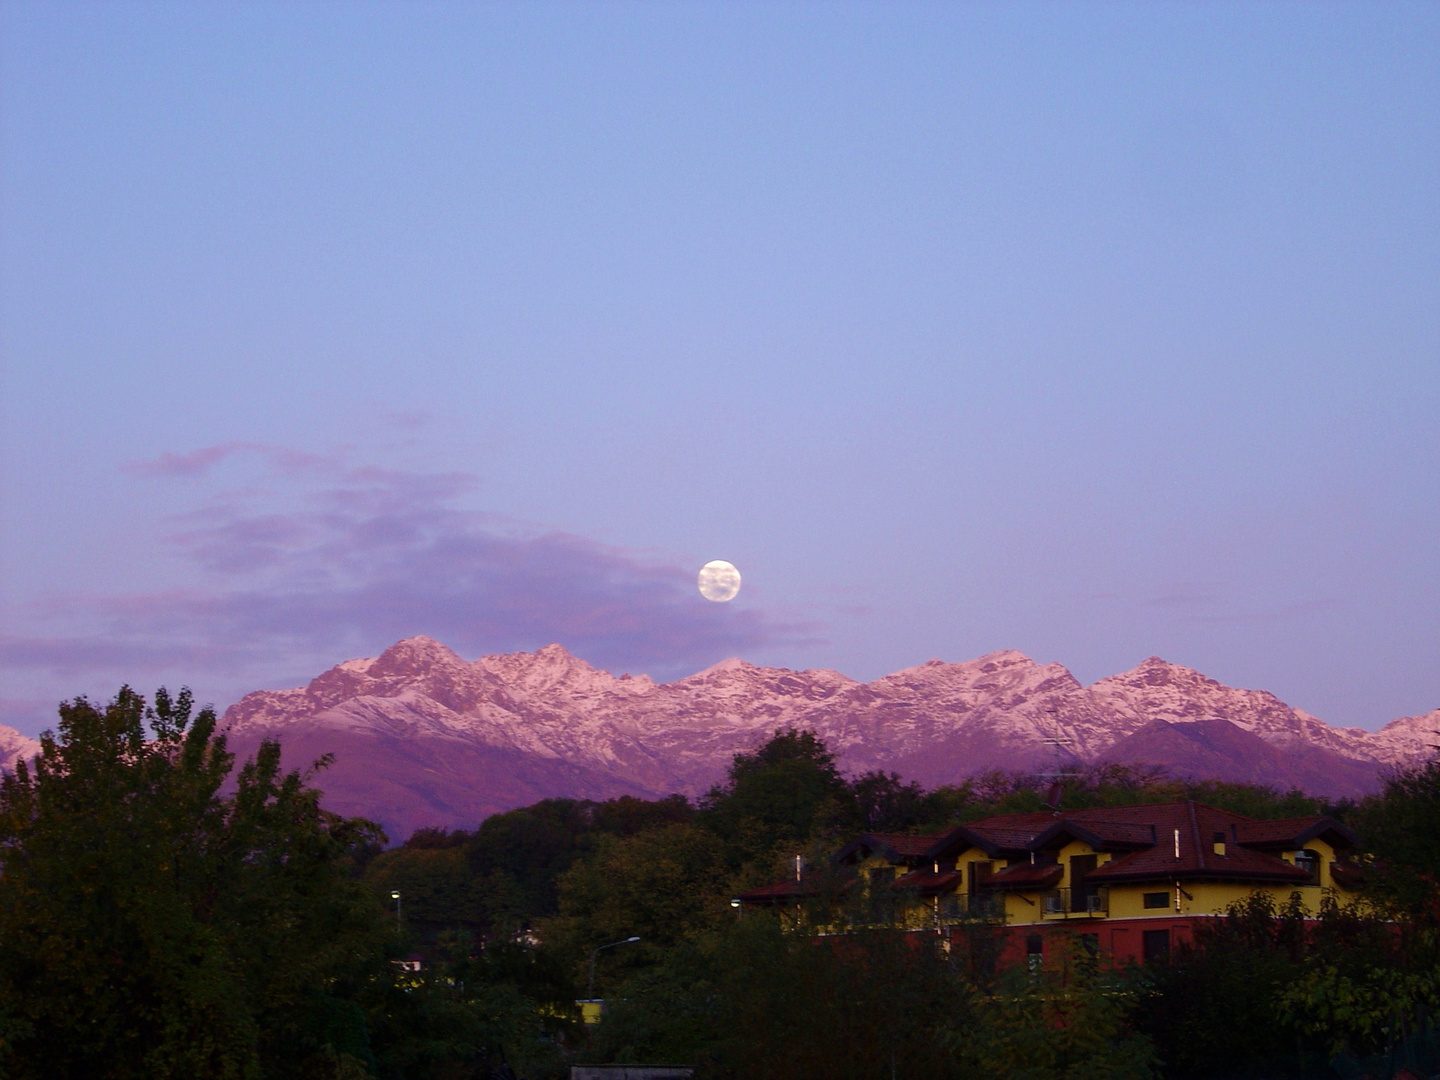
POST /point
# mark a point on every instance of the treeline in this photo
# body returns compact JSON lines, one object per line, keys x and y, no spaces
{"x":165,"y":915}
{"x":786,"y":798}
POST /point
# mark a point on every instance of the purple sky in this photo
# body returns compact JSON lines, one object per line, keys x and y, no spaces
{"x":1092,"y":331}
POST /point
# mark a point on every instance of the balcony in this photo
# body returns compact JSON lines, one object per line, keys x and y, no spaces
{"x":978,"y":906}
{"x":986,"y":905}
{"x":1090,"y":902}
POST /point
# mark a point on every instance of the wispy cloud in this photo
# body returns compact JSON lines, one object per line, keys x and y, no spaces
{"x":200,"y":462}
{"x":357,"y":557}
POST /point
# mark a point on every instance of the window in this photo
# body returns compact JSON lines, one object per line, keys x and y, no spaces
{"x":1080,"y":893}
{"x":1156,"y":899}
{"x":977,"y":874}
{"x":1156,"y":946}
{"x":1309,"y":861}
{"x":882,"y":893}
{"x":1034,"y":952}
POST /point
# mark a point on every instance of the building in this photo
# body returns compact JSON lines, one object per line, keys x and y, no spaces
{"x":1131,"y":881}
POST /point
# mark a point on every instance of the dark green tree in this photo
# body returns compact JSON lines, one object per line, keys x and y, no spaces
{"x":779,"y":797}
{"x":1400,"y":831}
{"x":155,"y":924}
{"x":663,"y":885}
{"x":886,"y":803}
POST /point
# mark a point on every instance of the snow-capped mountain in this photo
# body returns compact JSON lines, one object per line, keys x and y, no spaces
{"x":14,"y":746}
{"x":423,"y":737}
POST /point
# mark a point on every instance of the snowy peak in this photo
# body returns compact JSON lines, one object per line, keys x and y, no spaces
{"x":1007,"y":678}
{"x":1412,"y":736}
{"x":413,"y":656}
{"x":555,"y":670}
{"x":552,"y":724}
{"x":1155,"y":672}
{"x":740,"y":678}
{"x":14,"y":747}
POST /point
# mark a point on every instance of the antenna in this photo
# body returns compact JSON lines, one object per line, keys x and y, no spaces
{"x":1057,"y":775}
{"x":1058,"y":745}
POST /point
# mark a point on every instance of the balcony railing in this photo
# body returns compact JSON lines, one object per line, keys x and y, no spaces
{"x":986,"y":905}
{"x":978,"y":906}
{"x":1090,"y":902}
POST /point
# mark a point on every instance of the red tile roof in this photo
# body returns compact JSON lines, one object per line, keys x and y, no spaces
{"x":906,"y":843}
{"x":1347,"y":875}
{"x":816,"y":884}
{"x":1004,"y":832}
{"x":1027,"y":876}
{"x":928,"y":881}
{"x":781,"y":890}
{"x":1185,"y":835}
{"x":1153,"y":830}
{"x":897,"y":847}
{"x":1099,"y":833}
{"x":1163,"y":842}
{"x":1289,"y":833}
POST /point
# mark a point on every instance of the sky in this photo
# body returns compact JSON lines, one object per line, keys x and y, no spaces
{"x":1097,"y":331}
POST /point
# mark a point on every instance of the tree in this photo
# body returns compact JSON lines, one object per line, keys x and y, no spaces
{"x":1400,"y":830}
{"x":779,"y":796}
{"x":152,"y":925}
{"x":886,"y":803}
{"x":663,"y":885}
{"x":1214,"y":1009}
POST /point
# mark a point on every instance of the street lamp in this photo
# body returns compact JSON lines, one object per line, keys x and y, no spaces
{"x":590,"y":989}
{"x":395,"y":895}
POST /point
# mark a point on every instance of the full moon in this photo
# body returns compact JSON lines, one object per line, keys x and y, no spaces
{"x":719,"y":581}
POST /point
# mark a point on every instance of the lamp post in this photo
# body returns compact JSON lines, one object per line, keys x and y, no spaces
{"x":395,"y":895}
{"x":590,"y":988}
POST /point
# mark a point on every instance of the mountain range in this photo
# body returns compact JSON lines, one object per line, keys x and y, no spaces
{"x":421,"y":736}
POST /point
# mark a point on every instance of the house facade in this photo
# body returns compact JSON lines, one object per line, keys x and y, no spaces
{"x":1131,"y":882}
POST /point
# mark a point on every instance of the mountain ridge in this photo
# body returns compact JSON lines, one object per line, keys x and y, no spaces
{"x":465,"y":738}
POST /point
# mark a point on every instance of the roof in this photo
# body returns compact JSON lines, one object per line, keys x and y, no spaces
{"x":1157,"y":842}
{"x":1290,"y":833}
{"x":1144,"y":840}
{"x":1027,"y":876}
{"x":1004,"y":832}
{"x":808,"y":886}
{"x":1185,"y":850}
{"x":1347,"y":875}
{"x":896,"y":847}
{"x":1099,"y":833}
{"x":780,"y":891}
{"x":928,"y":881}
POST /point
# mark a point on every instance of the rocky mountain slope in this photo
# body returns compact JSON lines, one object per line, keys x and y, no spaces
{"x":423,"y":737}
{"x":14,"y":746}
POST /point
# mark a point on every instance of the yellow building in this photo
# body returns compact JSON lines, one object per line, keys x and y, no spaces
{"x":1132,"y":880}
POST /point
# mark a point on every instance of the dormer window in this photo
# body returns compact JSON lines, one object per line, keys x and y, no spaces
{"x":1218,"y":843}
{"x":1309,"y":861}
